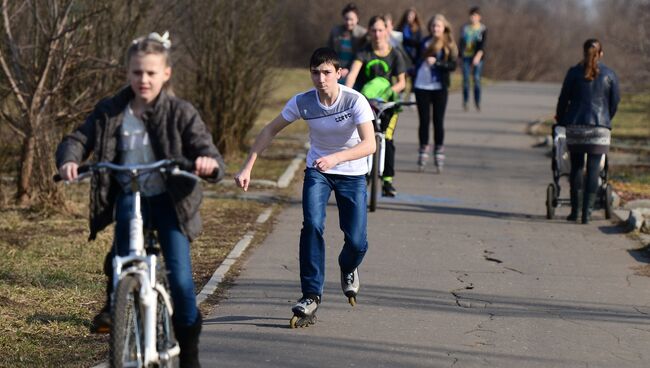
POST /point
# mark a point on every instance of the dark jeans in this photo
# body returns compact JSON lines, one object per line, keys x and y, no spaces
{"x":438,"y":100}
{"x":351,"y":199}
{"x":577,"y":167}
{"x":468,"y":69}
{"x":158,"y":213}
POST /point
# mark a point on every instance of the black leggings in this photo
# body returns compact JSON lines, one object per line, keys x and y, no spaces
{"x":437,"y":99}
{"x":593,"y":171}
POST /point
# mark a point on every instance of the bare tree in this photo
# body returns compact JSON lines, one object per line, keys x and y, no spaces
{"x":56,"y":58}
{"x":232,"y":50}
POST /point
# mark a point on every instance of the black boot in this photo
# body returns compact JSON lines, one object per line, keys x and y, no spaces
{"x":576,"y":205}
{"x":188,"y":340}
{"x":587,"y":205}
{"x":102,"y":321}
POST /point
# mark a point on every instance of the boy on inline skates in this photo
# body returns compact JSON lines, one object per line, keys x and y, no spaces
{"x":341,"y":136}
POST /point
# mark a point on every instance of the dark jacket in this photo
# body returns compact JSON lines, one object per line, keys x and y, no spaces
{"x":445,"y":65}
{"x":584,"y":102}
{"x":175,"y":129}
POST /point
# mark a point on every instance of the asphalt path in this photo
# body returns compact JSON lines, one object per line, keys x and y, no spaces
{"x":463,"y":269}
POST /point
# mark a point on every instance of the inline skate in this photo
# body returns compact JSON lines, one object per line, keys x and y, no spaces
{"x":304,"y":312}
{"x":439,"y":158}
{"x":350,"y":285}
{"x":423,"y":157}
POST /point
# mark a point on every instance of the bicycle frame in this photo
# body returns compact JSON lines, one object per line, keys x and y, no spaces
{"x":144,"y":266}
{"x":138,"y":262}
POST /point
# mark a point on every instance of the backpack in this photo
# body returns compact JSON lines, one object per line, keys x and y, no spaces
{"x":379,"y":88}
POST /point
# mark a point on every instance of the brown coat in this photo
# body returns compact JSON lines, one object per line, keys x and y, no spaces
{"x":175,"y":129}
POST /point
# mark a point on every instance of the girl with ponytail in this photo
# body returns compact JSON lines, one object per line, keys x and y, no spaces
{"x":586,"y":106}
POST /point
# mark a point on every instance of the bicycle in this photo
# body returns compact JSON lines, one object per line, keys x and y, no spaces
{"x":376,"y":160}
{"x":142,"y":334}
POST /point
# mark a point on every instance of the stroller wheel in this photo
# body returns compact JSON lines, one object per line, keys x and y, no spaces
{"x":608,"y":199}
{"x":551,"y":201}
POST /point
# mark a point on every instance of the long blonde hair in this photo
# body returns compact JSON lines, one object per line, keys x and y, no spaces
{"x":445,"y":43}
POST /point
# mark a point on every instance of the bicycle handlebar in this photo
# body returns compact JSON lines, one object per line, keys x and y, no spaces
{"x":382,"y":106}
{"x":176,"y":167}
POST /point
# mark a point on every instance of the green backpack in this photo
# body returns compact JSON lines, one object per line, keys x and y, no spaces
{"x":379,"y":88}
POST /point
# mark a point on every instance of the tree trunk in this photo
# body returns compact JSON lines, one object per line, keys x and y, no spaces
{"x":26,"y":168}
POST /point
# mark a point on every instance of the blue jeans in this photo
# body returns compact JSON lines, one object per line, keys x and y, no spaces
{"x":351,"y":200}
{"x":158,"y":213}
{"x":476,"y":74}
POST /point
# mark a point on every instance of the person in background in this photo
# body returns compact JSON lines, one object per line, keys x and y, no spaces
{"x":396,"y":39}
{"x":379,"y":62}
{"x":439,"y":55}
{"x":473,"y":37}
{"x":411,"y":29}
{"x":347,"y":39}
{"x":587,"y":104}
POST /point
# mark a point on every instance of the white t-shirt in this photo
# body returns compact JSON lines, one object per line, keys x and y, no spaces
{"x":332,"y":128}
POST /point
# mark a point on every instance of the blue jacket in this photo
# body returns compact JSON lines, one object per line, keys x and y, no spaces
{"x":584,"y":102}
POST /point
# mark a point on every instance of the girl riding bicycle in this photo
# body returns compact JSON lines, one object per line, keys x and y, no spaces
{"x":141,"y":124}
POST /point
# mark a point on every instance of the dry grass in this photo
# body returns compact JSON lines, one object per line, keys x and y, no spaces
{"x":51,"y":279}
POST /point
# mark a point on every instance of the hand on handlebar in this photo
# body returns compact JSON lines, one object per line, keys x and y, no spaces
{"x":68,"y":171}
{"x":205,"y":166}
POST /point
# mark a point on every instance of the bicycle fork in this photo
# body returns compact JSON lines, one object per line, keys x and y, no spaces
{"x":150,"y":289}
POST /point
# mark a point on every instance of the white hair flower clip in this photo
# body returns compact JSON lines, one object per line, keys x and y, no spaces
{"x":164,"y":39}
{"x":155,"y":36}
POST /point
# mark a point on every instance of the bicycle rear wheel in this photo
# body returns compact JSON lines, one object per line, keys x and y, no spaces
{"x":127,"y":333}
{"x":374,"y":176}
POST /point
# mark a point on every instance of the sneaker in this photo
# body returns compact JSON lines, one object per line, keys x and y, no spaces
{"x":478,"y":107}
{"x":388,"y":190}
{"x":465,"y":108}
{"x":306,"y":306}
{"x":102,"y":321}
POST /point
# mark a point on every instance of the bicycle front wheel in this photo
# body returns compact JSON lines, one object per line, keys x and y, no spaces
{"x":127,"y":333}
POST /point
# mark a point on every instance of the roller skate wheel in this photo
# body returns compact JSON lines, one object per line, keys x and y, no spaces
{"x":297,"y":321}
{"x":352,"y":300}
{"x":292,"y":321}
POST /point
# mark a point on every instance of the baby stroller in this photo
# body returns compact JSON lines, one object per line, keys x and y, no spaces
{"x":561,"y":166}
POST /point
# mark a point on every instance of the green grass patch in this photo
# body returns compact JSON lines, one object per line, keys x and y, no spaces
{"x":633,"y":117}
{"x":631,"y":125}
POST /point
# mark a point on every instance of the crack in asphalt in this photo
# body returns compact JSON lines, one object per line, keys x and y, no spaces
{"x":616,"y":337}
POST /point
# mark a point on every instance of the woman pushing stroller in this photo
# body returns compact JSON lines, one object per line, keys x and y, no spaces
{"x":587,"y":103}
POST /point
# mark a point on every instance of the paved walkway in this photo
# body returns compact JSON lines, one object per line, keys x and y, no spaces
{"x":463,"y":268}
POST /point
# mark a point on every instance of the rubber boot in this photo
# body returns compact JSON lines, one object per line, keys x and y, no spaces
{"x":188,"y":340}
{"x":587,"y":206}
{"x":102,"y":321}
{"x":576,"y":205}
